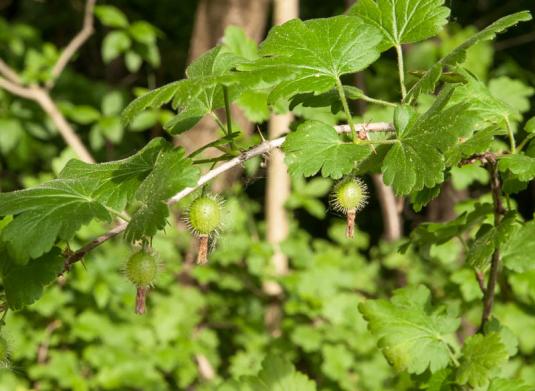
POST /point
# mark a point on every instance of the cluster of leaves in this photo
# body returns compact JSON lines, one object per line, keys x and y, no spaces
{"x":88,"y":327}
{"x":137,"y":40}
{"x":443,"y":119}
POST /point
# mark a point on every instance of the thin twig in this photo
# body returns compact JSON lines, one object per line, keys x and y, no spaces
{"x":75,"y":44}
{"x":78,"y":255}
{"x":64,"y":128}
{"x":495,"y":185}
{"x":259,"y":150}
{"x":480,"y":277}
{"x":16,"y":89}
{"x":9,"y":73}
{"x":13,"y":83}
{"x":42,"y":97}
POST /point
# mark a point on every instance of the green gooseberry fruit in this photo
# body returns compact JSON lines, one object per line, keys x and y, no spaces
{"x":349,"y":195}
{"x":142,"y":269}
{"x":205,"y":215}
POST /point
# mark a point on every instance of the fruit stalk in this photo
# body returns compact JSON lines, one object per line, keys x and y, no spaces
{"x":350,"y":223}
{"x":202,"y":256}
{"x":141,"y":297}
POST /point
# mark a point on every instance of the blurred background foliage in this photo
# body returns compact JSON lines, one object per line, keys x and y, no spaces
{"x":213,"y":323}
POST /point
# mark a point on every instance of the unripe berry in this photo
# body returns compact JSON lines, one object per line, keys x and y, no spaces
{"x":348,"y":197}
{"x":205,"y":215}
{"x":141,"y":269}
{"x":349,"y":194}
{"x":204,"y":219}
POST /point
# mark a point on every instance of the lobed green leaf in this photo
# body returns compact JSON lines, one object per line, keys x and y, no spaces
{"x":483,"y":356}
{"x":403,"y":21}
{"x":417,"y":161}
{"x":428,"y":81}
{"x":311,"y":56}
{"x":172,"y":172}
{"x":23,"y":284}
{"x":412,"y":336}
{"x":316,"y":146}
{"x":277,"y":374}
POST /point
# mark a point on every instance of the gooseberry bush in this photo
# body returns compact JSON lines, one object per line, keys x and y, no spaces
{"x":453,"y":335}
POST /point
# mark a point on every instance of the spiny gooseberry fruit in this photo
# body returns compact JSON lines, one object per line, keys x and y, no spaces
{"x":4,"y":352}
{"x":141,"y":269}
{"x":348,"y":197}
{"x":204,"y":219}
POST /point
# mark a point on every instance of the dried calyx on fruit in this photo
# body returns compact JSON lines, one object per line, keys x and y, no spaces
{"x":142,"y":269}
{"x":349,"y":196}
{"x":204,"y":219}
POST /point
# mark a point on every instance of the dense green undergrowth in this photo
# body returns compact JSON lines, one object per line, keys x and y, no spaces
{"x":448,"y":306}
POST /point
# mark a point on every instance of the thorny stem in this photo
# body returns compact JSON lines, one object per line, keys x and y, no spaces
{"x":258,"y":150}
{"x":349,"y":118}
{"x":488,"y":299}
{"x":401,"y":70}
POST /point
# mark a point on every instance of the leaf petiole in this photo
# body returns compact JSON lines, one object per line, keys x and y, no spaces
{"x":218,"y":122}
{"x":118,"y":214}
{"x":524,"y":142}
{"x":343,"y":98}
{"x":512,"y":141}
{"x":378,"y":101}
{"x":401,"y":70}
{"x":229,"y":119}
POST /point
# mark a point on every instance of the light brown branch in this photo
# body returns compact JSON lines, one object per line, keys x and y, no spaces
{"x":13,"y":84}
{"x":42,"y":97}
{"x":277,"y":193}
{"x":9,"y":73}
{"x":75,"y":44}
{"x":16,"y":89}
{"x":67,"y":132}
{"x":389,"y":207}
{"x":259,"y":150}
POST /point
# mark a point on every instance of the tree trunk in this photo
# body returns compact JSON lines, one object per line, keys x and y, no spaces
{"x":278,"y":186}
{"x":278,"y":180}
{"x":211,"y":19}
